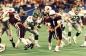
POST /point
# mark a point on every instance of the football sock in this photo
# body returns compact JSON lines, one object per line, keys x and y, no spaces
{"x":0,"y":40}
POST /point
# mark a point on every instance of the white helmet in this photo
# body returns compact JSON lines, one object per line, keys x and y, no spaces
{"x":52,"y":12}
{"x":48,"y":8}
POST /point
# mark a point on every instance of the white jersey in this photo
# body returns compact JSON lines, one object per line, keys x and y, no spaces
{"x":39,"y":20}
{"x":29,"y":19}
{"x":71,"y":13}
{"x":5,"y":15}
{"x":75,"y":18}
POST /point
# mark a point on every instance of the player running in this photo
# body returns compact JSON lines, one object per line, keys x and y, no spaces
{"x":22,"y":30}
{"x":54,"y":24}
{"x":5,"y":26}
{"x":32,"y":26}
{"x":76,"y":23}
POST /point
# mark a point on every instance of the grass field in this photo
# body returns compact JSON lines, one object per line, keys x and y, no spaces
{"x":67,"y":50}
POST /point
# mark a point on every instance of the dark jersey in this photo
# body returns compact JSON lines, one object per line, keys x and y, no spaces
{"x":23,"y":18}
{"x":57,"y":32}
{"x":21,"y":26}
{"x":53,"y":22}
{"x":11,"y":14}
{"x":12,"y":18}
{"x":13,"y":21}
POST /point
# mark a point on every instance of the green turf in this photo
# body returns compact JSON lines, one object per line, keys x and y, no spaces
{"x":67,"y":50}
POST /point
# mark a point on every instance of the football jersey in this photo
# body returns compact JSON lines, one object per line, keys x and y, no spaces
{"x":12,"y":18}
{"x":53,"y":22}
{"x":1,"y":13}
{"x":21,"y":26}
{"x":30,"y":22}
{"x":76,"y":18}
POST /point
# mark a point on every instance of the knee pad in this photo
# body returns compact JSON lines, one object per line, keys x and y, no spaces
{"x":36,"y":37}
{"x":77,"y":34}
{"x":69,"y":33}
{"x":49,"y":39}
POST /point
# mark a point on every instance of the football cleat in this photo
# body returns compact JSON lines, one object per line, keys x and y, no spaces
{"x":56,"y":50}
{"x":26,"y":47}
{"x":13,"y":44}
{"x":83,"y":45}
{"x":31,"y":45}
{"x":49,"y":47}
{"x":2,"y":47}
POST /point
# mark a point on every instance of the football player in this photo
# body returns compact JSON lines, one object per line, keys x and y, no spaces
{"x":22,"y":30}
{"x":64,"y":17}
{"x":75,"y":22}
{"x":54,"y":24}
{"x":5,"y":26}
{"x":33,"y":28}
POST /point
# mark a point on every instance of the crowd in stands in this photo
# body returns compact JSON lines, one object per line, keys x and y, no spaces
{"x":29,"y":5}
